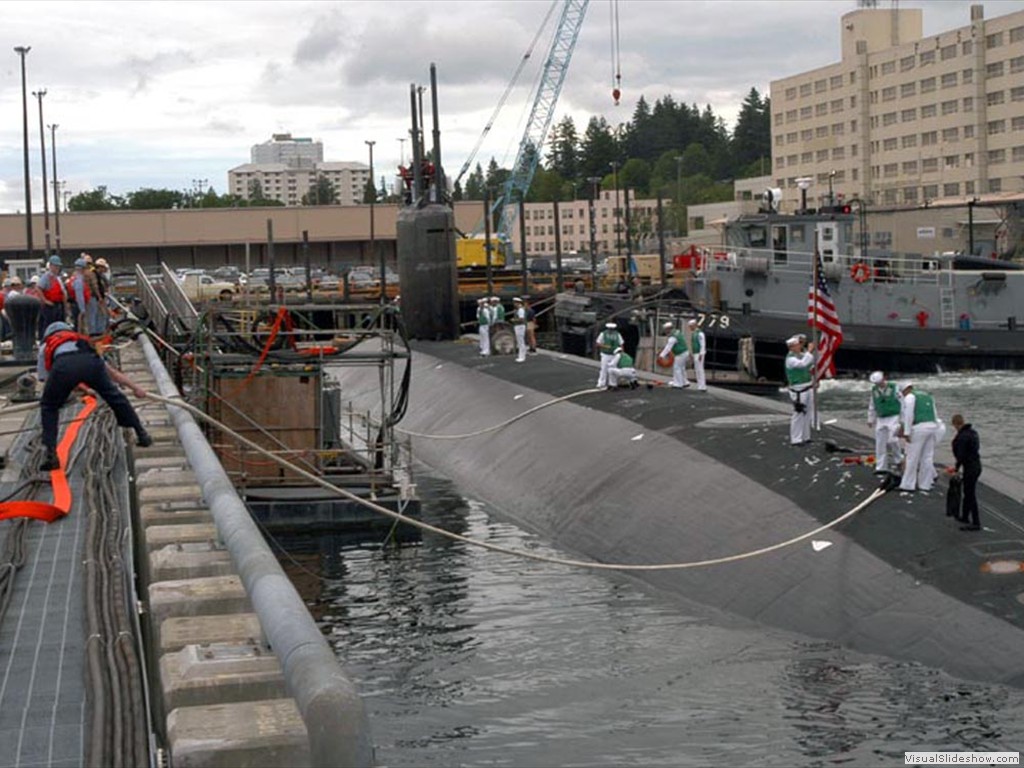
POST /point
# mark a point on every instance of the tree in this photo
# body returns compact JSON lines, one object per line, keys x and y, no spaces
{"x":752,"y":140}
{"x":696,"y":160}
{"x":496,"y":178}
{"x":95,"y":200}
{"x":457,"y":194}
{"x":475,"y":184}
{"x":598,"y":149}
{"x":369,"y":192}
{"x":563,"y":156}
{"x":635,"y":174}
{"x":322,"y":192}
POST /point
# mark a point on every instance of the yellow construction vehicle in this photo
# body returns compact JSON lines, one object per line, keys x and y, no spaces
{"x":472,"y":252}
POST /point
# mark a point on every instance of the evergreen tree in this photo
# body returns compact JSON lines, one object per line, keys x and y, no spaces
{"x":598,"y":149}
{"x":751,"y":140}
{"x":369,"y":192}
{"x":95,"y":200}
{"x":322,"y":192}
{"x":563,"y":156}
{"x":475,"y":184}
{"x":147,"y":199}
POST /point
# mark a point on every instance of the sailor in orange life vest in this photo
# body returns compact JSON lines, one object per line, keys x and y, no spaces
{"x":66,"y":359}
{"x":799,"y":376}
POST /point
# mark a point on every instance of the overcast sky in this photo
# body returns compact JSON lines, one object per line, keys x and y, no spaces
{"x":159,"y":94}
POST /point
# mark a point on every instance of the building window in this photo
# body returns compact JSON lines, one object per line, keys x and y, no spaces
{"x":790,"y":115}
{"x":821,"y":131}
{"x":910,"y":168}
{"x":949,"y":162}
{"x":1016,"y":34}
{"x":994,"y":40}
{"x":890,"y":170}
{"x":995,"y":185}
{"x":951,"y":190}
{"x":968,"y":187}
{"x":853,"y":102}
{"x":839,"y":153}
{"x":1018,"y":154}
{"x":822,"y":156}
{"x":996,"y":97}
{"x":805,"y":113}
{"x":807,"y":134}
{"x":930,"y":165}
{"x":948,"y":80}
{"x":930,"y":191}
{"x":927,"y":111}
{"x":790,"y":94}
{"x":906,"y":63}
{"x":949,"y":107}
{"x":908,"y":115}
{"x":926,"y":58}
{"x":929,"y":138}
{"x":996,"y":126}
{"x":805,"y":90}
{"x":889,"y":93}
{"x":855,"y":174}
{"x":889,"y":144}
{"x":780,"y":162}
{"x":836,"y":81}
{"x":928,"y":85}
{"x":967,"y":47}
{"x":951,"y":134}
{"x":889,"y":196}
{"x":820,"y":85}
{"x":889,"y":118}
{"x":853,"y":150}
{"x":910,"y":194}
{"x":873,"y":97}
{"x":780,"y":139}
{"x":853,"y":126}
{"x":853,"y":78}
{"x":968,"y":131}
{"x":1018,"y":123}
{"x":888,"y":67}
{"x":790,"y":159}
{"x":995,"y":69}
{"x":908,"y":89}
{"x":947,"y":52}
{"x":968,"y":104}
{"x":909,"y":141}
{"x":996,"y":156}
{"x":791,"y":137}
{"x":967,"y":76}
{"x":807,"y":157}
{"x":836,"y":105}
{"x":837,"y":129}
{"x":820,"y":109}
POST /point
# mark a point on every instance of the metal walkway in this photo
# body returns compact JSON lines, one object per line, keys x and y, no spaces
{"x":71,"y":687}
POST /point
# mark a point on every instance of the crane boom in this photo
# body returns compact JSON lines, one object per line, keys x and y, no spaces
{"x":530,"y":147}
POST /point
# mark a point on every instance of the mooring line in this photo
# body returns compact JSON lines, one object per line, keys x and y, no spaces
{"x":178,"y":403}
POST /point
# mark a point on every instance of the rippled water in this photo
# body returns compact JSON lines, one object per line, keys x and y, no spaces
{"x":992,"y":401}
{"x":467,"y":658}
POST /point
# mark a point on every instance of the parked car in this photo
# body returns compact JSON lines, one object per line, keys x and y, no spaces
{"x":201,"y":287}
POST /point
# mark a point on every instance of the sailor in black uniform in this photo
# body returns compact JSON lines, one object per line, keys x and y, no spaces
{"x":967,"y":451}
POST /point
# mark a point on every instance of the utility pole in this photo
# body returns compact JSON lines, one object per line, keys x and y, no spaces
{"x":594,"y":191}
{"x":56,"y":184}
{"x":373,"y":235}
{"x":22,"y":50}
{"x":42,"y":151}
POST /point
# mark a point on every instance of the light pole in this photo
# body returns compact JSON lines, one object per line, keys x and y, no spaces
{"x":56,"y":184}
{"x":198,"y":185}
{"x":401,"y":150}
{"x":42,"y":151}
{"x":22,"y":50}
{"x":615,"y":175}
{"x":679,"y":192}
{"x":373,"y":233}
{"x":594,"y":190}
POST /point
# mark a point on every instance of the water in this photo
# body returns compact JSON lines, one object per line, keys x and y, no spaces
{"x":467,"y":658}
{"x":993,"y":401}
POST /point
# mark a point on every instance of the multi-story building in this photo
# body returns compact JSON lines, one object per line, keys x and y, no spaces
{"x":574,"y":225}
{"x":287,"y":169}
{"x":903,"y":119}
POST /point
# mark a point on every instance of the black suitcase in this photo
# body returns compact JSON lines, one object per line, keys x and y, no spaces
{"x":954,"y":496}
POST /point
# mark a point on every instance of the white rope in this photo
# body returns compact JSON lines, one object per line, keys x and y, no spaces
{"x":503,"y":424}
{"x":177,"y":403}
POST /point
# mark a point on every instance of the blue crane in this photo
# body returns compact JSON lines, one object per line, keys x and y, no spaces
{"x":550,"y":86}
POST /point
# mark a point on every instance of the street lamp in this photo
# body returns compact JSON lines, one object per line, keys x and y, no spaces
{"x":373,"y":235}
{"x":22,"y":50}
{"x":615,"y":175}
{"x":42,"y":151}
{"x":56,"y":184}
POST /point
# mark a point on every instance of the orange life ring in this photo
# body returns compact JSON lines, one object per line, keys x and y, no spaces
{"x":666,"y":361}
{"x":861,"y":272}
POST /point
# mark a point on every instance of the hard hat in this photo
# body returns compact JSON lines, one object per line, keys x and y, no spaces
{"x":80,"y":262}
{"x":15,"y":280}
{"x":54,"y":327}
{"x":610,"y":326}
{"x":877,"y":377}
{"x":55,"y":260}
{"x":33,"y":280}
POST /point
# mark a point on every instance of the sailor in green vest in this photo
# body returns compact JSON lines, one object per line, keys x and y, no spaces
{"x":621,"y":370}
{"x":698,"y":348}
{"x":483,"y":319}
{"x":676,"y":344}
{"x":799,"y":376}
{"x":519,"y":327}
{"x":884,"y":408}
{"x":920,"y":431}
{"x":497,"y":310}
{"x":608,"y":341}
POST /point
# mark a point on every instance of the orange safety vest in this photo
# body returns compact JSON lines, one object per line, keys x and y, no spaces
{"x":54,"y":340}
{"x":71,"y":289}
{"x":55,"y":292}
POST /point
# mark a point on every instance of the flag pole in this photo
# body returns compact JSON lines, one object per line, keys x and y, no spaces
{"x":814,"y":333}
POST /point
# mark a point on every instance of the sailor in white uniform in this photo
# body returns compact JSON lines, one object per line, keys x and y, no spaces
{"x":608,"y":341}
{"x":519,"y":326}
{"x":676,"y":344}
{"x":483,"y":319}
{"x":920,"y":430}
{"x":698,"y":348}
{"x":884,"y":406}
{"x":621,"y":370}
{"x":800,"y":377}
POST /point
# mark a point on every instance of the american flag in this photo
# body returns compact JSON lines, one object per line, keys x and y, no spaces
{"x":821,"y":314}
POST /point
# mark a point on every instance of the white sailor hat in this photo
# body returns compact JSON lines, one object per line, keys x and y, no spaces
{"x":691,"y":321}
{"x":610,"y":325}
{"x":618,"y":350}
{"x":494,"y":299}
{"x":667,"y":325}
{"x":793,"y":340}
{"x":906,"y":385}
{"x":481,"y":300}
{"x":877,"y":377}
{"x":517,"y":300}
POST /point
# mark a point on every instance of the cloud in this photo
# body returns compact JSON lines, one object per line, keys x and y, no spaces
{"x":324,"y":41}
